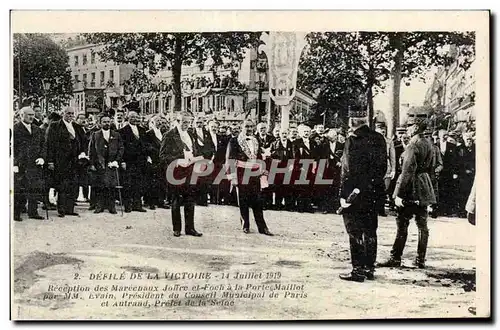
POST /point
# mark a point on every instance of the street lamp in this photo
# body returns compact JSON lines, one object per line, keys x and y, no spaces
{"x":46,"y":88}
{"x":261,"y":67}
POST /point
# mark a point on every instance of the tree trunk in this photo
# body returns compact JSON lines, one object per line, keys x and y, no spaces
{"x":371,"y":113}
{"x":176,"y":73}
{"x":393,"y":120}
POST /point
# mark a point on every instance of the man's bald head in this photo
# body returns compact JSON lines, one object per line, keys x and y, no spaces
{"x":27,"y":114}
{"x":69,"y":114}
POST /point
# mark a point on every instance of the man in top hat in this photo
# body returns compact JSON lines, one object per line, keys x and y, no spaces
{"x":364,"y":165}
{"x":28,"y":162}
{"x":413,"y":194}
{"x":65,"y":145}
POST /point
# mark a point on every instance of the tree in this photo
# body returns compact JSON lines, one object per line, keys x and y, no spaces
{"x":415,"y":52}
{"x":152,"y":52}
{"x":38,"y":60}
{"x":344,"y":67}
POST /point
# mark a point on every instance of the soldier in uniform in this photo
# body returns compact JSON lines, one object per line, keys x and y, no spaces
{"x":364,"y":166}
{"x":413,"y":194}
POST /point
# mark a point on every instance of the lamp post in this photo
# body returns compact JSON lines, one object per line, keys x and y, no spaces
{"x":283,"y":51}
{"x":261,"y":73}
{"x":46,"y":88}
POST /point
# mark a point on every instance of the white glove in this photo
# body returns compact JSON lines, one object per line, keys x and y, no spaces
{"x":15,"y":169}
{"x":455,"y":176}
{"x":398,"y":201}
{"x":392,"y":175}
{"x":40,"y":161}
{"x":234,"y":182}
{"x":149,"y":160}
{"x":344,"y":204}
{"x":82,"y":155}
{"x":113,"y":164}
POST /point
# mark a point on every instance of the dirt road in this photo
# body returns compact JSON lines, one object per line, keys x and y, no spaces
{"x":293,"y":275}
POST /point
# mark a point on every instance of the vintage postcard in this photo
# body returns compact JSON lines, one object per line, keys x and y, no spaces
{"x":250,"y":165}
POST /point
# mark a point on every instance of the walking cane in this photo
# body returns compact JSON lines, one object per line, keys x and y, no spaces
{"x":119,"y":187}
{"x":46,"y":194}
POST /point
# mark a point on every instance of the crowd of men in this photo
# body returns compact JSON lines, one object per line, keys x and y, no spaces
{"x":65,"y":152}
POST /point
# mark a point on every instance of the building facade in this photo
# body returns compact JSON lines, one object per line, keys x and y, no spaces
{"x":94,"y":78}
{"x":229,"y":93}
{"x":452,"y":90}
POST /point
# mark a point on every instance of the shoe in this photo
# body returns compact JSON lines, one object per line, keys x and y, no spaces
{"x":51,"y":207}
{"x":382,"y":213}
{"x":138,"y":209}
{"x":61,"y":215}
{"x":177,"y":233}
{"x":390,"y":263}
{"x":36,"y":216}
{"x":73,"y":214}
{"x":266,"y":232}
{"x":246,"y":230}
{"x":194,"y":233}
{"x":152,"y":207}
{"x":91,"y":207}
{"x":112,"y":211}
{"x":163,"y":206}
{"x":354,"y":277}
{"x":128,"y":210}
{"x":419,"y":264}
{"x":370,"y":275}
{"x":18,"y":218}
{"x":98,"y":210}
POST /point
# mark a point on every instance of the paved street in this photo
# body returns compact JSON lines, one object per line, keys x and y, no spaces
{"x":308,"y":249}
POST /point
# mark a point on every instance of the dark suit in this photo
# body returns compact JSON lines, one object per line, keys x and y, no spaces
{"x":207,"y":149}
{"x":250,"y":194}
{"x":82,"y":177}
{"x":329,"y":197}
{"x":156,"y":193}
{"x":364,"y":165}
{"x":172,"y":149}
{"x":265,"y":143}
{"x":218,"y":192}
{"x":90,"y":176}
{"x":101,"y":153}
{"x":414,"y":184}
{"x":135,"y":155}
{"x":63,"y":150}
{"x":282,"y":155}
{"x":467,"y":171}
{"x":28,"y":182}
{"x":304,"y":192}
{"x":448,"y":187}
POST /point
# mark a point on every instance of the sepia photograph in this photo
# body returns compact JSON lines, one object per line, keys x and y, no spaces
{"x":246,"y":165}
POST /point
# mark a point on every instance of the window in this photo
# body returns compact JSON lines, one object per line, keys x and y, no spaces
{"x":92,"y":79}
{"x":200,"y":104}
{"x":102,"y":78}
{"x":84,"y":59}
{"x":112,"y":75}
{"x":92,"y":58}
{"x":84,"y":80}
{"x":76,"y":78}
{"x":76,"y":60}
